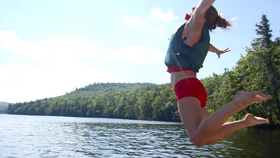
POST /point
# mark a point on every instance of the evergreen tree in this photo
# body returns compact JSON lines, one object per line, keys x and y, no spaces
{"x":264,"y":60}
{"x":271,"y":55}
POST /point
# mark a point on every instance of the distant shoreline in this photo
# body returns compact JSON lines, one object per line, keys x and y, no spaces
{"x":3,"y":112}
{"x":3,"y":107}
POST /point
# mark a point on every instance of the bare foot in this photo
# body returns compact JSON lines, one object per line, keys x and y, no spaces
{"x":244,"y":99}
{"x":252,"y":120}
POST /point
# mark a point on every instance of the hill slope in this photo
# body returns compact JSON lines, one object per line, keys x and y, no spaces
{"x":3,"y":106}
{"x":110,"y":100}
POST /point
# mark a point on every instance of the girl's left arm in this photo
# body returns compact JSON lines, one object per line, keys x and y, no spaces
{"x":217,"y":51}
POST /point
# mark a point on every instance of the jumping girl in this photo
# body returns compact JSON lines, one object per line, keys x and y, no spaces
{"x":187,"y":50}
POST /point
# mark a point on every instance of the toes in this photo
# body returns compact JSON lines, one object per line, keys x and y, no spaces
{"x":263,"y":96}
{"x":261,"y":120}
{"x":254,"y":120}
{"x":264,"y":121}
{"x":245,"y":99}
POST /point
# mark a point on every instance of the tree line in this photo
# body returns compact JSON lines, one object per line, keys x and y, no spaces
{"x":257,"y":70}
{"x":3,"y":106}
{"x":111,"y":100}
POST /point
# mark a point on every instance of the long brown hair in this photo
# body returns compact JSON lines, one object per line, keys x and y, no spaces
{"x":213,"y":19}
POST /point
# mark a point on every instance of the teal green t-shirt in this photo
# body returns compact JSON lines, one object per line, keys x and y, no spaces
{"x":182,"y":55}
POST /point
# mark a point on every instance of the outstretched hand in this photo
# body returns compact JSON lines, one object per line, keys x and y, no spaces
{"x":222,"y":52}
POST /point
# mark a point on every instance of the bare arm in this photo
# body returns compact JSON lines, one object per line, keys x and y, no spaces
{"x":217,"y":51}
{"x":202,"y":7}
{"x":193,"y":28}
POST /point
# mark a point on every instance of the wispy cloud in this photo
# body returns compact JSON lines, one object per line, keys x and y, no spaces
{"x":159,"y":15}
{"x":135,"y":54}
{"x":110,"y":8}
{"x":61,"y":66}
{"x":131,"y":20}
{"x":161,"y":28}
{"x":56,"y":49}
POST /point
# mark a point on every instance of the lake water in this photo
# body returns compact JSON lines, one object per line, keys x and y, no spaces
{"x":51,"y":137}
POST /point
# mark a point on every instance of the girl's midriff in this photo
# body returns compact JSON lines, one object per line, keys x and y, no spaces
{"x":178,"y":74}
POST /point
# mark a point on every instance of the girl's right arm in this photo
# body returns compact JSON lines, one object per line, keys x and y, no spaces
{"x":193,"y":29}
{"x":202,"y":7}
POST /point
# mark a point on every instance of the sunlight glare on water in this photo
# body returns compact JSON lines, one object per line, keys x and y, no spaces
{"x":48,"y":136}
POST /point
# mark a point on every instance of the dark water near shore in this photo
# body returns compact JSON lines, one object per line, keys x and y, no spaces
{"x":47,"y":136}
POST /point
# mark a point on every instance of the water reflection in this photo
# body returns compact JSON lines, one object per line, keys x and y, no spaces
{"x":137,"y":140}
{"x":147,"y":140}
{"x":256,"y":143}
{"x":23,"y":136}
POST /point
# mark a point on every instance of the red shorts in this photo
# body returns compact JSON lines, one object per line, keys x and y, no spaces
{"x":191,"y":87}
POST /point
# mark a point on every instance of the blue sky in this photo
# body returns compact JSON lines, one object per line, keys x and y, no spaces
{"x":50,"y":47}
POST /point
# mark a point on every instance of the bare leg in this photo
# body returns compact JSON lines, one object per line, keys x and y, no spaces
{"x":201,"y":129}
{"x":230,"y":127}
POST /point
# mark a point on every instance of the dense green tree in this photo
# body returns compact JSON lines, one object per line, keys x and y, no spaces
{"x":264,"y":61}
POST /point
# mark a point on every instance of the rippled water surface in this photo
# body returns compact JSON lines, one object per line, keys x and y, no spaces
{"x":47,"y":136}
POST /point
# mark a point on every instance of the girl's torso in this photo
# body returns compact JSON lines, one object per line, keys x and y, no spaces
{"x":192,"y":38}
{"x":178,"y":76}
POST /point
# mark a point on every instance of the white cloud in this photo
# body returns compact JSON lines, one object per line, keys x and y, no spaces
{"x":159,"y":15}
{"x":131,"y":20}
{"x":61,"y":68}
{"x":57,"y":50}
{"x":110,"y":8}
{"x":135,"y":54}
{"x":161,"y":28}
{"x":23,"y":82}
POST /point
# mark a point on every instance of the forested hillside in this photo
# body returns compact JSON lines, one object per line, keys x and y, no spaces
{"x":3,"y":106}
{"x":257,"y":71}
{"x":111,"y":100}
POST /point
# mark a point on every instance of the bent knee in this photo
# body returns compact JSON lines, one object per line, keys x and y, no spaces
{"x":199,"y":142}
{"x":212,"y":141}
